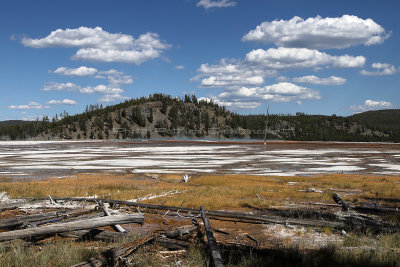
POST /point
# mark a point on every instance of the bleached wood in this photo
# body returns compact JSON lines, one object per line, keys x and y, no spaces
{"x":71,"y":226}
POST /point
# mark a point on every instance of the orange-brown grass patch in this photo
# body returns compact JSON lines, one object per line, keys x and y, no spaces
{"x":214,"y":191}
{"x":105,"y":186}
{"x":237,"y":191}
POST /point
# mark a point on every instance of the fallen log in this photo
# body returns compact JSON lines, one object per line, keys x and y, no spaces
{"x":180,"y":231}
{"x":376,"y":209}
{"x":11,"y":206}
{"x":15,"y":222}
{"x":71,"y":226}
{"x":172,"y":244}
{"x":116,"y":227}
{"x":345,"y":205}
{"x":53,"y":206}
{"x":212,"y":243}
{"x":111,"y":256}
{"x":249,"y":218}
{"x":95,"y":234}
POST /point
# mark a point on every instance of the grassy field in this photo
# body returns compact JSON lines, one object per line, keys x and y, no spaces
{"x":212,"y":191}
{"x":228,"y":192}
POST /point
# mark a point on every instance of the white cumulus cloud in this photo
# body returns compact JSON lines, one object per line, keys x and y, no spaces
{"x":319,"y":33}
{"x":372,"y":105}
{"x":30,"y":105}
{"x":231,"y":75}
{"x":283,"y":58}
{"x":81,"y":71}
{"x":215,"y":3}
{"x":62,"y":102}
{"x":311,"y":79}
{"x":98,"y":45}
{"x":252,"y":97}
{"x":381,"y":69}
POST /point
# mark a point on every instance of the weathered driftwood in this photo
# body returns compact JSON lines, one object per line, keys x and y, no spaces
{"x":345,"y":205}
{"x":212,"y":243}
{"x":236,"y":216}
{"x":151,"y":196}
{"x":53,"y":206}
{"x":11,"y":206}
{"x":86,"y":217}
{"x":116,"y":227}
{"x":71,"y":226}
{"x":37,"y":219}
{"x":111,"y":256}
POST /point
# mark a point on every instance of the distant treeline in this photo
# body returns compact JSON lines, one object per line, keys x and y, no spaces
{"x":197,"y":118}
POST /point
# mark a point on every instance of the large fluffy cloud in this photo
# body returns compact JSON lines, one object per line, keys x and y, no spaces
{"x":381,"y":69}
{"x":318,"y":32}
{"x":260,"y":64}
{"x":372,"y":105}
{"x":216,"y":3}
{"x":280,"y":92}
{"x":251,"y":97}
{"x":242,"y":81}
{"x":231,"y":74}
{"x":95,"y":44}
{"x":311,"y":79}
{"x":299,"y":58}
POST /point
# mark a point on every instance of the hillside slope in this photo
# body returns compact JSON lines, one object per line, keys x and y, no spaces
{"x":161,"y":116}
{"x":388,"y":119}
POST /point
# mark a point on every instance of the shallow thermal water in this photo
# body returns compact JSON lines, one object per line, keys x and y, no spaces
{"x":42,"y":159}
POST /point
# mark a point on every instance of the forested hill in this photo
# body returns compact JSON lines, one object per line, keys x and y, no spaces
{"x":11,"y":122}
{"x":387,"y":120}
{"x":161,"y":116}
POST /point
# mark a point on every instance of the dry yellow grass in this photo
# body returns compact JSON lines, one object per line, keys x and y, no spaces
{"x":211,"y":191}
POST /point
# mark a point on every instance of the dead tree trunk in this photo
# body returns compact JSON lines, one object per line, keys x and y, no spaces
{"x":172,"y":244}
{"x":37,"y":218}
{"x":95,"y":234}
{"x":116,"y":227}
{"x":345,"y":205}
{"x":71,"y":226}
{"x":11,"y":206}
{"x":238,"y":216}
{"x":212,"y":243}
{"x":111,"y":256}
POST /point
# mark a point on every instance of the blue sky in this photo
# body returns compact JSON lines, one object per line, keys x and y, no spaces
{"x":317,"y":57}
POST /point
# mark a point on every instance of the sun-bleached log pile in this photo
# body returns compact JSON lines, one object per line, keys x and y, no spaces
{"x":71,"y":226}
{"x":85,"y":218}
